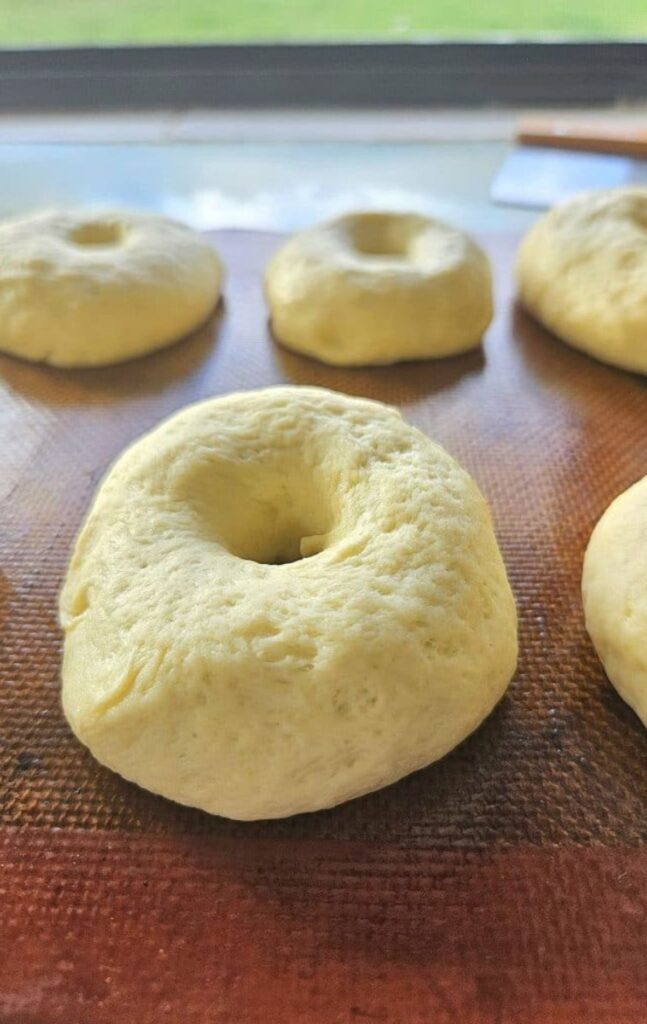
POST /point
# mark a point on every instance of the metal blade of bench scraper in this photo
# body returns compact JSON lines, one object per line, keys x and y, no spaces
{"x":538,"y":177}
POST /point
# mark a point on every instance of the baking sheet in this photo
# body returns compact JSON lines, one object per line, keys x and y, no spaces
{"x":505,"y":885}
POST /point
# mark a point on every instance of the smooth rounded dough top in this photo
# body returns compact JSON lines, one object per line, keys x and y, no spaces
{"x":582,"y":271}
{"x":614,"y":591}
{"x":282,"y":599}
{"x":373,"y":288}
{"x":81,"y":288}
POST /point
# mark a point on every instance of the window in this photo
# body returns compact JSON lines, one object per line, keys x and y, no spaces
{"x":78,"y":22}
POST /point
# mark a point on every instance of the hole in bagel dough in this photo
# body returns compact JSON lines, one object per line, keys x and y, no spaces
{"x":97,"y":232}
{"x":640,"y":217}
{"x":275,"y":511}
{"x":381,"y":235}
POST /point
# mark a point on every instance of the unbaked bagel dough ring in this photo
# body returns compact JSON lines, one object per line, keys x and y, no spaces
{"x":582,"y":272}
{"x":280,"y":600}
{"x":88,"y":289}
{"x":374,"y":288}
{"x":614,"y":591}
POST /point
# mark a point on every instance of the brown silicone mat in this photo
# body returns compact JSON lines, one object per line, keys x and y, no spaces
{"x":505,"y":885}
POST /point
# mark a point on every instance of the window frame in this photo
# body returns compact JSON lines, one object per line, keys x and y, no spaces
{"x":318,"y":75}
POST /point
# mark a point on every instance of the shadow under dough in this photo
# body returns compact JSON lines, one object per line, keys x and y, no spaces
{"x":561,"y":365}
{"x":396,"y":383}
{"x":148,"y":374}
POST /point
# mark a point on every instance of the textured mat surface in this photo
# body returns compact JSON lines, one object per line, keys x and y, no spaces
{"x":505,"y":885}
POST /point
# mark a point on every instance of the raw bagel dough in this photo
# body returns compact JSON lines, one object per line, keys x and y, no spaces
{"x":582,"y":271}
{"x":280,"y":600}
{"x":614,"y":589}
{"x":86,"y":289}
{"x":371,"y":288}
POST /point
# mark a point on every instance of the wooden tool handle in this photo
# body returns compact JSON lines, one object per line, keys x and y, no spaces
{"x":593,"y":137}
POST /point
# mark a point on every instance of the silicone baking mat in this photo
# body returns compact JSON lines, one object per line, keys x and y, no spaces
{"x":505,"y":885}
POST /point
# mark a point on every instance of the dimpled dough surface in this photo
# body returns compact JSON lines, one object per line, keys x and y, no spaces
{"x":582,"y":271}
{"x":614,"y":590}
{"x":88,"y":289}
{"x":280,"y":600}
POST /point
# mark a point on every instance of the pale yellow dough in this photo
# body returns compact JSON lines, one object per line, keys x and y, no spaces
{"x":370,"y":288}
{"x":280,"y":600}
{"x":86,"y":289}
{"x":582,"y":271}
{"x":614,"y":589}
